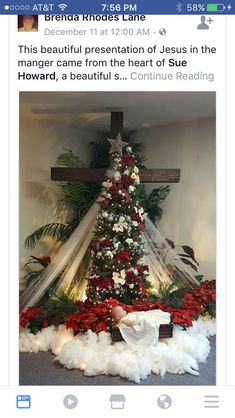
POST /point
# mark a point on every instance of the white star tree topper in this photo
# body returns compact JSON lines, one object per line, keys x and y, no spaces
{"x":117,"y":144}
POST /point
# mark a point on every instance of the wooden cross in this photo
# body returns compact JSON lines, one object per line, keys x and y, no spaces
{"x":152,"y":175}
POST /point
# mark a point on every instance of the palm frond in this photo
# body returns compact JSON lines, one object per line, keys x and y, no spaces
{"x":69,"y":159}
{"x":59,"y":307}
{"x":172,"y":294}
{"x":58,"y":231}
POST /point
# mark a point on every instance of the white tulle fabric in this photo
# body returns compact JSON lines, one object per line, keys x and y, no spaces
{"x":95,"y":354}
{"x":160,"y":257}
{"x":163,"y":260}
{"x":68,"y":260}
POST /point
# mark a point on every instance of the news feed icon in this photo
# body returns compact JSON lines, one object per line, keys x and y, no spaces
{"x":23,"y":402}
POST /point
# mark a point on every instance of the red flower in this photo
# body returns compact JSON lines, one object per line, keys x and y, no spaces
{"x":127,"y":197}
{"x":24,"y":322}
{"x":101,"y":326}
{"x":47,"y":259}
{"x":114,"y":190}
{"x":105,"y":242}
{"x":101,"y":282}
{"x":123,"y":256}
{"x":127,"y":180}
{"x":136,"y":217}
{"x":128,"y":161}
{"x":131,"y":277}
{"x":106,"y":202}
{"x":142,"y":226}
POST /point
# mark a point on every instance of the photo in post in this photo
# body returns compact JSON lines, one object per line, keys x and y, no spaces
{"x":117,"y":238}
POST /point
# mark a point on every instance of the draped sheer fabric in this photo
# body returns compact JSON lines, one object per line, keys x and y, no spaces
{"x":71,"y":264}
{"x":66,"y":261}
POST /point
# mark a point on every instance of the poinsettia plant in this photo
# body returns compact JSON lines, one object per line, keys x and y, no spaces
{"x":97,"y":316}
{"x":35,"y":319}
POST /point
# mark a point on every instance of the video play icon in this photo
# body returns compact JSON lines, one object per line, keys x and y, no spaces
{"x":70,"y":401}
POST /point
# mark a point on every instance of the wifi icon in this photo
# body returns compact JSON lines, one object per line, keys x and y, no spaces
{"x":62,"y":6}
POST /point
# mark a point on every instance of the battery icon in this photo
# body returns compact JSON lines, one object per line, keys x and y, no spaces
{"x":215,"y":7}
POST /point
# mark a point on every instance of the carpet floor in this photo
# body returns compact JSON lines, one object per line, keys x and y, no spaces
{"x":41,"y":369}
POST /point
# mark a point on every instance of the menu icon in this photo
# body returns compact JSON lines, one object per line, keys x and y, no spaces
{"x":211,"y":401}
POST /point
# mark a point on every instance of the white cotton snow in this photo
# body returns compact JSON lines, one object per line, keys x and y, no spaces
{"x":50,"y":338}
{"x":96,"y":354}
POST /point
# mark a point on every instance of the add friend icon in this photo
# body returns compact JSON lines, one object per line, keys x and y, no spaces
{"x":203,"y":25}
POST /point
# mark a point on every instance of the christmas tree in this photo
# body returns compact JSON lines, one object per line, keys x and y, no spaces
{"x":118,"y":270}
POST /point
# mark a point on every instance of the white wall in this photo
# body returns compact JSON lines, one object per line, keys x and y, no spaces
{"x":41,"y":141}
{"x":189,"y":213}
{"x":189,"y":210}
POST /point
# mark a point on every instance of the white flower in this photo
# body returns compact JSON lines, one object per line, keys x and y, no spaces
{"x":134,"y":223}
{"x":136,"y":170}
{"x":116,"y":175}
{"x":109,"y":254}
{"x":118,"y":227}
{"x":121,"y":219}
{"x":131,"y":286}
{"x":145,"y":272}
{"x":105,"y":214}
{"x":99,"y":254}
{"x":108,"y":195}
{"x":118,"y":279}
{"x":137,"y":180}
{"x":117,"y":292}
{"x":107,"y":184}
{"x":131,"y":189}
{"x":116,"y":245}
{"x":127,"y":172}
{"x":129,"y":241}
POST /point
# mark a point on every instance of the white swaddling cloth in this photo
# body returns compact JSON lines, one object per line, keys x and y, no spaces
{"x":145,"y":329}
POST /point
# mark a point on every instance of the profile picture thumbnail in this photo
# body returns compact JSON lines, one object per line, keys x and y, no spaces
{"x":28,"y":23}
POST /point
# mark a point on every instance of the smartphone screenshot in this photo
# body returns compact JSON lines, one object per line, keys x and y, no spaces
{"x":117,"y":208}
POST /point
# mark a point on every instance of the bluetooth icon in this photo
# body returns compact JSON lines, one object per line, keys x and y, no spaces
{"x":179,"y":7}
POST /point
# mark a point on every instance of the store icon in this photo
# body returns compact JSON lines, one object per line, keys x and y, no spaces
{"x":117,"y":401}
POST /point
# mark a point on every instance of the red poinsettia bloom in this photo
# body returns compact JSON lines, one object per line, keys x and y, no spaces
{"x":127,"y":180}
{"x":136,"y":217}
{"x":46,"y":258}
{"x":105,"y":243}
{"x":101,"y":282}
{"x":128,"y":161}
{"x":142,"y":226}
{"x":126,"y":197}
{"x":114,"y":190}
{"x":24,"y":322}
{"x":123,"y":256}
{"x":101,"y":326}
{"x":131,"y":277}
{"x":106,"y":202}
